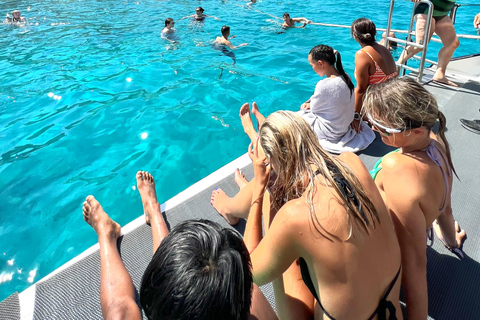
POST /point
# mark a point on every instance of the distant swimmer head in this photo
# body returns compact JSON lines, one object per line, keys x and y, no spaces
{"x":16,"y":14}
{"x":286,"y":16}
{"x":199,"y":10}
{"x":364,"y":31}
{"x":169,"y":22}
{"x":225,"y":31}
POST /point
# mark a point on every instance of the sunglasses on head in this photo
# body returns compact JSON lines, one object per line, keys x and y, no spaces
{"x":387,"y":131}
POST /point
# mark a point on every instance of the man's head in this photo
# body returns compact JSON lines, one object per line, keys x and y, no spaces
{"x":225,"y":31}
{"x":16,"y":14}
{"x":169,"y":22}
{"x":200,"y":271}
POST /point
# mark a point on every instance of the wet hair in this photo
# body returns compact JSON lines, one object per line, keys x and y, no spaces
{"x":200,"y":8}
{"x":404,"y":103}
{"x":167,"y":21}
{"x":286,"y":14}
{"x":200,"y":271}
{"x":365,"y":30}
{"x":225,"y":30}
{"x":296,"y":156}
{"x":332,"y":57}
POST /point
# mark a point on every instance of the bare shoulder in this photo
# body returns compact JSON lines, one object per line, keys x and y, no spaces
{"x":353,"y":162}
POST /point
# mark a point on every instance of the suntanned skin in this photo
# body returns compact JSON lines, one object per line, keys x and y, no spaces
{"x":476,"y":21}
{"x":365,"y":67}
{"x":224,"y":40}
{"x":338,"y":270}
{"x":413,"y":189}
{"x":446,"y":31}
{"x":117,"y":295}
{"x":290,"y":22}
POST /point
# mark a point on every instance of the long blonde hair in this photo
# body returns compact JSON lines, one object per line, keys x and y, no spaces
{"x":401,"y":103}
{"x":294,"y":151}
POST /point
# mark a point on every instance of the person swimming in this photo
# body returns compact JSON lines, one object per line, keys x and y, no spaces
{"x":221,"y":43}
{"x":16,"y":18}
{"x":168,"y":33}
{"x":290,"y":22}
{"x":199,"y":16}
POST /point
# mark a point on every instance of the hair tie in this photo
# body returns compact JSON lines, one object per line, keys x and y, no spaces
{"x":335,"y":51}
{"x":368,"y":35}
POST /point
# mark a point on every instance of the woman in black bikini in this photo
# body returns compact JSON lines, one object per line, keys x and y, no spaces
{"x":331,"y":218}
{"x":199,"y":16}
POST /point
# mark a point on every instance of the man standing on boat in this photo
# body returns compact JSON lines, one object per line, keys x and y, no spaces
{"x":443,"y":26}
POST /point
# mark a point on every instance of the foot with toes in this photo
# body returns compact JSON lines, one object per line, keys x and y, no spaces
{"x":218,"y":201}
{"x":247,"y":123}
{"x":240,"y":178}
{"x":96,"y":217}
{"x":146,"y":188}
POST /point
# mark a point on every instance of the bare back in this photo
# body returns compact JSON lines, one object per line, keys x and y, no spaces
{"x":350,"y":273}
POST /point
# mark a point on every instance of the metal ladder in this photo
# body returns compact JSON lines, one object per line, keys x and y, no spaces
{"x":409,"y":41}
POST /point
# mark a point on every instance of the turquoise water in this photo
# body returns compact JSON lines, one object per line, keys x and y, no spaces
{"x":90,"y":94}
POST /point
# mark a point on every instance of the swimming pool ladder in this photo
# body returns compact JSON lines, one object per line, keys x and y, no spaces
{"x":409,"y":42}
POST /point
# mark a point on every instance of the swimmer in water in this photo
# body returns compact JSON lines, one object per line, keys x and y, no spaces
{"x":222,"y":42}
{"x":17,"y":17}
{"x":199,"y":16}
{"x":168,"y":31}
{"x":290,"y":22}
{"x":392,"y":45}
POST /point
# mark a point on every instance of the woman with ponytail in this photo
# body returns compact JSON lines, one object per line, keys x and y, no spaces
{"x":373,"y":63}
{"x":330,"y":110}
{"x":415,"y":181}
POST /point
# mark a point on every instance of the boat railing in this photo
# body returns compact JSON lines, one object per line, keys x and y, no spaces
{"x":408,"y":42}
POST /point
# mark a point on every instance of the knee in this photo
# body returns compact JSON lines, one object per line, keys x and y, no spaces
{"x":456,"y":43}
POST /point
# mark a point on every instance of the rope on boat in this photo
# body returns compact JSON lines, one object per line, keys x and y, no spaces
{"x":464,"y":36}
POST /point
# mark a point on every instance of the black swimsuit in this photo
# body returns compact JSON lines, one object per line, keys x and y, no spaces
{"x":384,"y":304}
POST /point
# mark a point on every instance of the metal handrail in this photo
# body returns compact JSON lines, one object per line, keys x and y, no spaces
{"x":409,"y":41}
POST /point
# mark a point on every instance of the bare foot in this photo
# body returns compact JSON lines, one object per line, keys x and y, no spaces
{"x":445,"y":81}
{"x":247,"y":123}
{"x":460,"y":235}
{"x":240,"y":178}
{"x":218,"y":200}
{"x":260,"y":118}
{"x":146,"y":187}
{"x":96,"y":217}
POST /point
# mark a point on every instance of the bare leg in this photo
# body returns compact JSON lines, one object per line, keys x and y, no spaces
{"x":420,"y":28}
{"x":247,"y":123}
{"x":240,"y":178}
{"x":446,"y":31}
{"x":233,"y":208}
{"x":448,"y":229}
{"x":117,"y":295}
{"x":151,"y":208}
{"x":261,"y":308}
{"x":260,"y":118}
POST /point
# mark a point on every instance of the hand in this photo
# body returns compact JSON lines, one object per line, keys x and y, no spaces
{"x":356,"y":125}
{"x":261,"y":167}
{"x":305,"y":106}
{"x":232,"y":37}
{"x":476,"y":21}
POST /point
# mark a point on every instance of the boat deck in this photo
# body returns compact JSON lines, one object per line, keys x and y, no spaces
{"x":72,"y":291}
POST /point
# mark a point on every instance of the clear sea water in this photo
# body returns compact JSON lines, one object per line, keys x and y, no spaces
{"x":90,"y":93}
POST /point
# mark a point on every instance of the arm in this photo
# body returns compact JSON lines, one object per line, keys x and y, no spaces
{"x":272,"y":255}
{"x":362,"y":65}
{"x":186,"y":17}
{"x":408,"y":218}
{"x":211,"y":17}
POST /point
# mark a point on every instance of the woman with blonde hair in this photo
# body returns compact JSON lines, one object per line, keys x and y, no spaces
{"x":330,"y":218}
{"x":373,"y":63}
{"x":415,"y":181}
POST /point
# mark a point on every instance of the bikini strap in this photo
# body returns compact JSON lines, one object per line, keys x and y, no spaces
{"x":385,"y":305}
{"x":369,"y":55}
